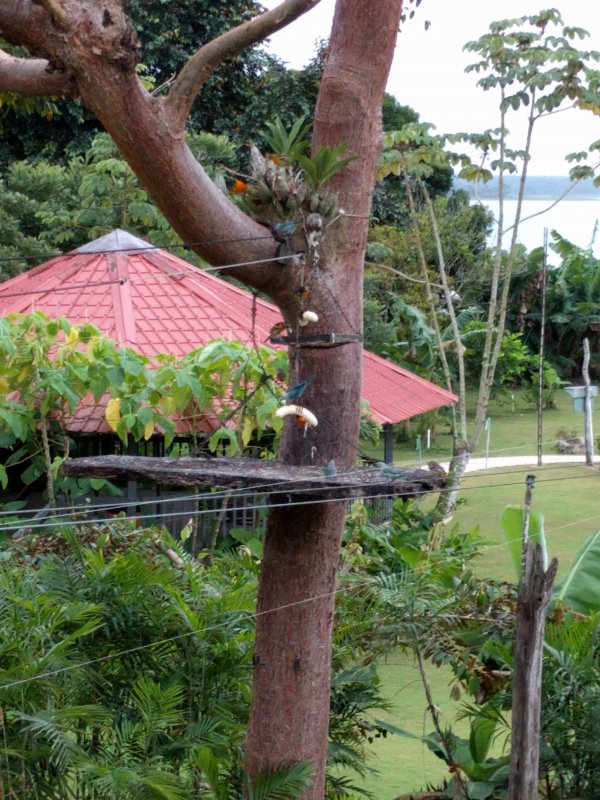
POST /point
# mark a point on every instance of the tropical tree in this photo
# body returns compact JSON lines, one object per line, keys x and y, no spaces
{"x":533,"y":63}
{"x":79,"y":49}
{"x":46,"y":207}
{"x":572,"y":303}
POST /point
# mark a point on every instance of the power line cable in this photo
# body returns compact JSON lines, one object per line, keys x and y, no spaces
{"x":288,"y":485}
{"x":189,"y":272}
{"x":283,"y":486}
{"x":288,"y":490}
{"x":138,"y":648}
{"x":247,"y":617}
{"x":141,"y":249}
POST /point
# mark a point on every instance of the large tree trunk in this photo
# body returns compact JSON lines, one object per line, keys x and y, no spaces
{"x":290,"y":706}
{"x":95,"y":49}
{"x":290,"y":698}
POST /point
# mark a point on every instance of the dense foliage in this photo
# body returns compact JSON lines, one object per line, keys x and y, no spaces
{"x":125,"y":663}
{"x":572,"y":304}
{"x":49,"y":369}
{"x":150,"y":668}
{"x":169,"y":34}
{"x":46,"y":208}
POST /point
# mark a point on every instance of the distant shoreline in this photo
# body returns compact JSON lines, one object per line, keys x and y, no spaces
{"x":538,"y":187}
{"x":542,"y":199}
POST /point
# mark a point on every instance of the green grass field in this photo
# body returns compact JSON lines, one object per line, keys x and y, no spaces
{"x":513,"y":430}
{"x":568,"y":497}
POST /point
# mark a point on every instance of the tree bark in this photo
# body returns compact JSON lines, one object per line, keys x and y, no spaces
{"x":30,"y":77}
{"x":535,"y":589}
{"x":290,"y":707}
{"x":534,"y":596}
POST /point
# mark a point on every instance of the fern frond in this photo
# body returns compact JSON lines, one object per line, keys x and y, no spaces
{"x":281,"y":784}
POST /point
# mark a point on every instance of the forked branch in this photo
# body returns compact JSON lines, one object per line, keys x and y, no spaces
{"x":203,"y":63}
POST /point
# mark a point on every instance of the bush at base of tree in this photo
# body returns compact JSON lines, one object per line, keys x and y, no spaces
{"x":127,"y":675}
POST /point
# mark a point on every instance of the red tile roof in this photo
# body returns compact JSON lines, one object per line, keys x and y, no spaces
{"x":155,"y":302}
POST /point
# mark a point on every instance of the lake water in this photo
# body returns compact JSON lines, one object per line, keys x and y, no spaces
{"x":573,"y":219}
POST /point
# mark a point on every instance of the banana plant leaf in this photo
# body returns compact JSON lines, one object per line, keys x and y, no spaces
{"x":511,"y":521}
{"x":581,"y":588}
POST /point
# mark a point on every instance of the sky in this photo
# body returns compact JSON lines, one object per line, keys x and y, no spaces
{"x":428,"y":69}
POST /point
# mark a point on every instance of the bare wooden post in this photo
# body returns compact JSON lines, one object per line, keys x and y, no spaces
{"x":544,"y":282}
{"x":534,"y":596}
{"x":589,"y":433}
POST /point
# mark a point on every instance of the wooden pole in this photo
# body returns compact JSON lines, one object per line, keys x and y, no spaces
{"x":589,"y":432}
{"x":534,"y":595}
{"x":541,"y":361}
{"x":388,"y":442}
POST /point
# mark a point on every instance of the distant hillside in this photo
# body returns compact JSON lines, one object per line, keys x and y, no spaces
{"x":538,"y":187}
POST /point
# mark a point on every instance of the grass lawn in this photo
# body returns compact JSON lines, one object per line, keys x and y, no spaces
{"x":404,"y":764}
{"x":513,"y":430}
{"x":569,"y":498}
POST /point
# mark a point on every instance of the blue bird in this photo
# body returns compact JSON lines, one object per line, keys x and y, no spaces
{"x":285,"y":228}
{"x":330,"y":470}
{"x":387,"y":471}
{"x":298,"y":390}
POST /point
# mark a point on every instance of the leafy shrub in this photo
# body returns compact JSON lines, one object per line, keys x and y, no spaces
{"x":126,"y":676}
{"x":121,"y":674}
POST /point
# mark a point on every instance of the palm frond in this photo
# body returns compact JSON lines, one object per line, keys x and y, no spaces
{"x":280,"y":784}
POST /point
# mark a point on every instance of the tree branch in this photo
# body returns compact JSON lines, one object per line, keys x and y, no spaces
{"x":402,"y":274}
{"x":32,"y":77}
{"x":57,"y":13}
{"x":204,"y":62}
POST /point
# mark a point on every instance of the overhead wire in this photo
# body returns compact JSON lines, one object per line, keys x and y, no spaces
{"x":286,"y":489}
{"x":251,"y":616}
{"x":109,"y":656}
{"x":208,"y":269}
{"x":141,"y":278}
{"x":140,"y":249}
{"x":283,"y":486}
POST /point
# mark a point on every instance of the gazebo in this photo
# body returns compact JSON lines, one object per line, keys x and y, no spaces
{"x":150,"y":300}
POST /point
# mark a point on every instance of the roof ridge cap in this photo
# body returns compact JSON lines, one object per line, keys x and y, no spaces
{"x":114,"y":241}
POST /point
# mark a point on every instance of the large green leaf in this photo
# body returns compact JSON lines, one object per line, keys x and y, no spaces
{"x":483,"y":728}
{"x":511,"y":521}
{"x":581,"y":588}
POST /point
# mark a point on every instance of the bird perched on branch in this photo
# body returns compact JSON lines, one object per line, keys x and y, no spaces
{"x":281,"y":230}
{"x":437,"y":469}
{"x":298,"y":390}
{"x":278,"y":329}
{"x":330,"y":470}
{"x":387,"y":471}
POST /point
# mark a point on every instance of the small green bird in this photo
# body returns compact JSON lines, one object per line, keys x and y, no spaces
{"x":330,"y":470}
{"x":284,"y":229}
{"x":387,"y":471}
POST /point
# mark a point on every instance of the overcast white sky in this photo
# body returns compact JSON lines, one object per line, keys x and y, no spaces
{"x":428,"y":69}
